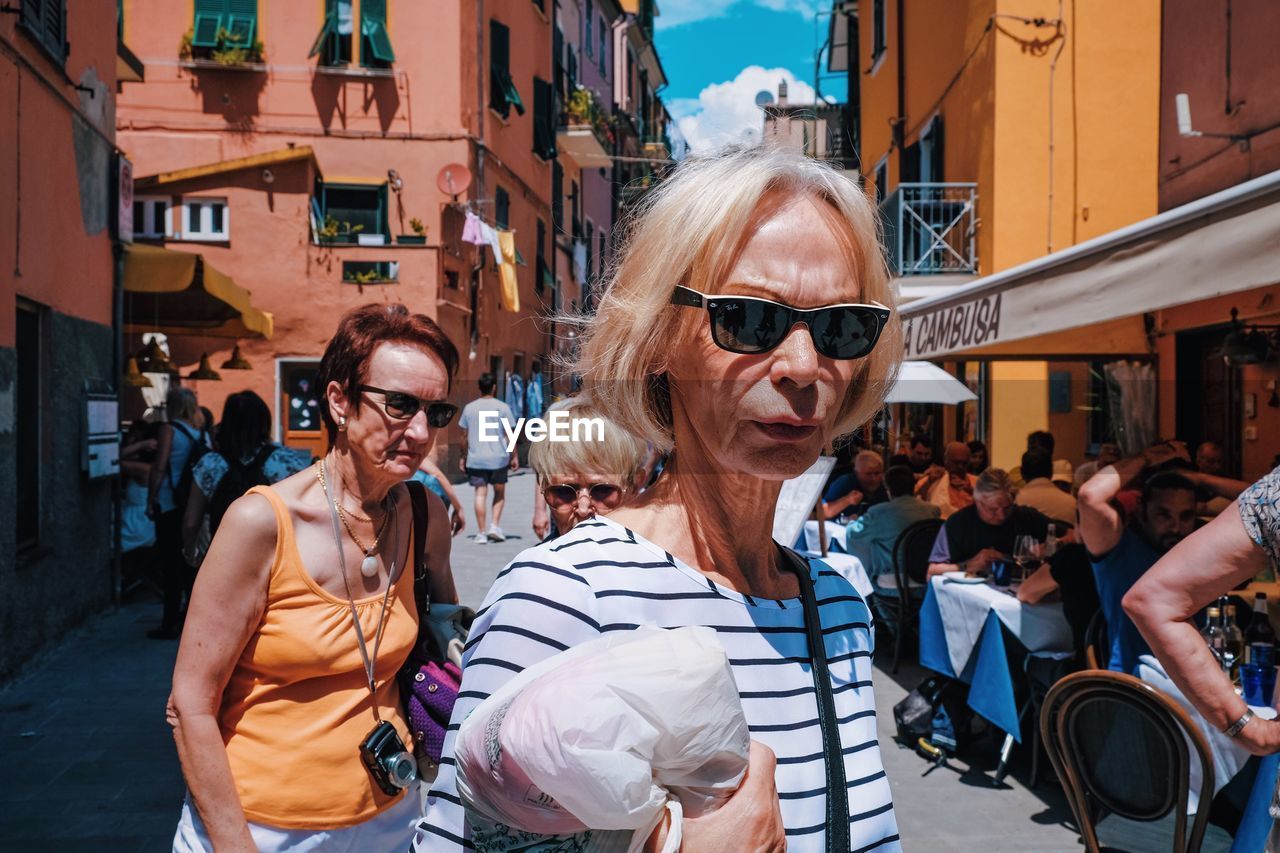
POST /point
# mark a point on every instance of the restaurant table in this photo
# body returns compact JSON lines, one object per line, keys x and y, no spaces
{"x":837,"y":536}
{"x":849,"y":567}
{"x":1229,"y":758}
{"x":965,"y":629}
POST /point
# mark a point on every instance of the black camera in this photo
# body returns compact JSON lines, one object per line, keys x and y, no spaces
{"x":390,"y":764}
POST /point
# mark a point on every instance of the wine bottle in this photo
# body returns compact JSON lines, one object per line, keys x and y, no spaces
{"x":1261,"y":637}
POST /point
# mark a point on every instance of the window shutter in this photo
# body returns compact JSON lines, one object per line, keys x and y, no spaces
{"x":544,"y":135}
{"x":208,"y":20}
{"x":501,"y":208}
{"x":499,"y":46}
{"x":242,"y":21}
{"x":329,"y":29}
{"x":373,"y":26}
{"x":45,"y":20}
{"x":512,"y":93}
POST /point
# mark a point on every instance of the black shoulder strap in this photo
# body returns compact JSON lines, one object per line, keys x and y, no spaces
{"x":418,"y":501}
{"x":837,"y":789}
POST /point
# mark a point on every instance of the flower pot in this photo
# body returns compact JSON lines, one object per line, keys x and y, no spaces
{"x":371,"y":239}
{"x":411,"y":239}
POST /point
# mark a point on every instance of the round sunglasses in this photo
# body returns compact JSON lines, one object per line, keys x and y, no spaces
{"x":749,"y":325}
{"x":402,"y":406}
{"x":560,"y":495}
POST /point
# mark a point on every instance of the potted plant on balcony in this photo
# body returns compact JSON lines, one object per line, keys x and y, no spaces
{"x":230,"y":50}
{"x":583,"y":110}
{"x":417,"y":238}
{"x":334,"y":231}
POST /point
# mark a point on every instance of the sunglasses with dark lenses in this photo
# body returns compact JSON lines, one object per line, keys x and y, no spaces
{"x":403,"y":406}
{"x":562,"y":495}
{"x":749,"y":326}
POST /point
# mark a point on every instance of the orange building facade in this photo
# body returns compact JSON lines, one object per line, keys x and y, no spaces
{"x":58,"y":373}
{"x":331,"y":157}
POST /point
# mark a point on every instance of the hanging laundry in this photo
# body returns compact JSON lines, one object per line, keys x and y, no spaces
{"x":580,"y":261}
{"x":533,"y":395}
{"x":515,"y":394}
{"x":472,"y":232}
{"x":491,"y":237}
{"x":507,"y":270}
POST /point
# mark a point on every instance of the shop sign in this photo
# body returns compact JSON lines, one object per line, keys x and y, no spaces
{"x":956,"y":327}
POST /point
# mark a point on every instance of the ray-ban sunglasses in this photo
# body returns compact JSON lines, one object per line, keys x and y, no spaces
{"x":402,"y":406}
{"x":749,"y":325}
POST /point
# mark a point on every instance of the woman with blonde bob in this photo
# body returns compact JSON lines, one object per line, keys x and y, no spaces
{"x":744,"y":328}
{"x":580,"y":478}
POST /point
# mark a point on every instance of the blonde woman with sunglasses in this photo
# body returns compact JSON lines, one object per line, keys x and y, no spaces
{"x":747,"y":324}
{"x":580,"y":479}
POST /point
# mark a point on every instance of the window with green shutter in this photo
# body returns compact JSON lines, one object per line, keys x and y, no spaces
{"x":348,"y":211}
{"x":502,"y":89}
{"x":544,"y":126}
{"x":501,"y":208}
{"x":333,"y":44}
{"x":225,"y":25}
{"x":46,"y":22}
{"x":375,"y":41}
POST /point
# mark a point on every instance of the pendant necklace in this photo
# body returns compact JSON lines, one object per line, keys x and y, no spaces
{"x":369,"y":565}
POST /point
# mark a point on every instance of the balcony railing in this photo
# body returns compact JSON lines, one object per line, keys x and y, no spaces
{"x":931,"y":229}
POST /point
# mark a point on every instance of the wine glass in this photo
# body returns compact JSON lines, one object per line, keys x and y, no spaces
{"x":1027,"y":553}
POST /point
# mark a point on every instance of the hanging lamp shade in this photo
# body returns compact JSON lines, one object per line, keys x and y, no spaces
{"x":151,"y":359}
{"x":204,"y":371}
{"x":237,"y":361}
{"x":133,"y":377}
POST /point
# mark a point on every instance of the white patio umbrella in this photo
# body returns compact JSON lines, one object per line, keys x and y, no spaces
{"x":925,"y":382}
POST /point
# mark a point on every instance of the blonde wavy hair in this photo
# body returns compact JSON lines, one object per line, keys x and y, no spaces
{"x":690,"y":230}
{"x":619,"y":455}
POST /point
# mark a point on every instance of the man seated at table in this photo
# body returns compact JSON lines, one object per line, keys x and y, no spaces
{"x":854,"y":493}
{"x":1122,"y":548}
{"x":919,"y":455}
{"x":949,"y":486}
{"x":1066,"y":575}
{"x":986,"y":531}
{"x":872,"y":536}
{"x":1041,"y":492}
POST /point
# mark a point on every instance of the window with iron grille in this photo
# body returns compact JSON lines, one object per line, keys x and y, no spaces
{"x":220,"y":25}
{"x":544,"y":121}
{"x":46,"y":22}
{"x":333,"y":44}
{"x":502,"y":89}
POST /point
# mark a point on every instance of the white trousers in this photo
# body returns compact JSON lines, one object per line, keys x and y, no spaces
{"x":390,"y":831}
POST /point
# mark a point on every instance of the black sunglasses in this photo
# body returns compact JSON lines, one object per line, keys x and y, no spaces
{"x":607,"y":495}
{"x":750,"y":326}
{"x":403,"y":406}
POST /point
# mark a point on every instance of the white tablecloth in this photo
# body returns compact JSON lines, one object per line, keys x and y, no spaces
{"x":849,"y":566}
{"x":964,"y":608}
{"x":835,"y":533}
{"x":1228,"y":755}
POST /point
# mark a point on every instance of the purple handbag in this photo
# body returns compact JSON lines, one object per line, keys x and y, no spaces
{"x":429,"y":682}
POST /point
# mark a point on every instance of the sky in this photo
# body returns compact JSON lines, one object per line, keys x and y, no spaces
{"x":718,"y":54}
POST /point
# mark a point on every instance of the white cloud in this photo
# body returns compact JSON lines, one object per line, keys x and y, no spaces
{"x":673,"y":13}
{"x":726,"y":113}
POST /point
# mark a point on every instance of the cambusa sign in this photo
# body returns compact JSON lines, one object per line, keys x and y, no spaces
{"x":957,"y":327}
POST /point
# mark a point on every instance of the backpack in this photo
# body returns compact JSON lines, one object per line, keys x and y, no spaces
{"x":923,"y":714}
{"x":240,"y":478}
{"x":199,"y":447}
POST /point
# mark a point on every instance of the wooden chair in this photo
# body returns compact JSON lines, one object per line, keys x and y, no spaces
{"x":1121,"y":746}
{"x":910,"y":570}
{"x":1097,"y":646}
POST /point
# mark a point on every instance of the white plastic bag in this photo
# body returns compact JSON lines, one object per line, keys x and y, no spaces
{"x":608,"y":735}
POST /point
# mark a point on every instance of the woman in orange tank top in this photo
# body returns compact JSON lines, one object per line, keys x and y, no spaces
{"x":285,"y":708}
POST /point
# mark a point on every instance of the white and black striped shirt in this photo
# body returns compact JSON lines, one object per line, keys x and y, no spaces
{"x":602,"y":577}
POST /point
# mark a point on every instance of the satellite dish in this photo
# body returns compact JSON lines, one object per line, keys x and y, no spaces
{"x":763,"y":98}
{"x":454,"y":179}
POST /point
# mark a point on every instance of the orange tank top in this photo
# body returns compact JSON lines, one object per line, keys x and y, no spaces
{"x":297,"y":707}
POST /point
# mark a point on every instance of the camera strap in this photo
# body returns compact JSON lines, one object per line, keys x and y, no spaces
{"x":370,"y":678}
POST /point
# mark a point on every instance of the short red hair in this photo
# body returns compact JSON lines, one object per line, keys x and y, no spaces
{"x":346,"y":358}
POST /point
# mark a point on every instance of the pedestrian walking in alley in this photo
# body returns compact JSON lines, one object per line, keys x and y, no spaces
{"x":137,"y":530}
{"x":244,"y":456}
{"x":179,"y":445}
{"x":485,"y":457}
{"x":579,"y":479}
{"x":285,"y":708}
{"x":744,"y":328}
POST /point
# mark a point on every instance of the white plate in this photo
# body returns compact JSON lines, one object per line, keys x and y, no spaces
{"x":961,"y":577}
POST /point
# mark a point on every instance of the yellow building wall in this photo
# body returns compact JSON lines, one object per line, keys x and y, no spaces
{"x":1019,"y":405}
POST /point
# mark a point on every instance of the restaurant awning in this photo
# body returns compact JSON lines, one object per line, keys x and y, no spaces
{"x":181,"y":293}
{"x":923,"y":382}
{"x":1090,"y":298}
